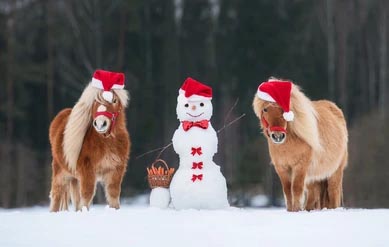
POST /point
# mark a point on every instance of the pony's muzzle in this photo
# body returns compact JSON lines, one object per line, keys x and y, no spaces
{"x":101,"y":124}
{"x":278,"y":137}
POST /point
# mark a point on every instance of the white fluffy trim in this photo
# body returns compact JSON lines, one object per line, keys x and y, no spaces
{"x":265,"y":96}
{"x":108,"y":96}
{"x":288,"y":116}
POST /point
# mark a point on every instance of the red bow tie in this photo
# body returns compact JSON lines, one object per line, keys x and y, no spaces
{"x":186,"y":125}
{"x":199,"y":177}
{"x":196,"y":150}
{"x":197,"y":165}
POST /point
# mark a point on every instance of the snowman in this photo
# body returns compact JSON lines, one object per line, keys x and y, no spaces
{"x":198,"y":182}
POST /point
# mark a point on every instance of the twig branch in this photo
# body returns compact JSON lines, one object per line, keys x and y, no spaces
{"x":232,"y":122}
{"x":149,"y":152}
{"x":230,"y":111}
{"x":162,"y":149}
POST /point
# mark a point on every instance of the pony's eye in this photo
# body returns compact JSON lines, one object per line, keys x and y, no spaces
{"x":186,"y":105}
{"x":114,"y":101}
{"x":201,"y":104}
{"x":264,"y":109}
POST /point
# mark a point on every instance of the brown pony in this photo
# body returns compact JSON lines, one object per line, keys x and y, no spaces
{"x":89,"y":144}
{"x":311,"y":154}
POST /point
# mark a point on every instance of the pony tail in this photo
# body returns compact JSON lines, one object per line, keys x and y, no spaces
{"x":304,"y":124}
{"x":77,"y":125}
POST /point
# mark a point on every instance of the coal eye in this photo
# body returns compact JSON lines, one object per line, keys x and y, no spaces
{"x":186,"y":105}
{"x":264,"y":109}
{"x":201,"y":104}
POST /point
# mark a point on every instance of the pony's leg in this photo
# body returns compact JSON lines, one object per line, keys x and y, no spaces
{"x":112,"y":185}
{"x":55,"y":196}
{"x":313,"y":197}
{"x":335,"y":188}
{"x":57,"y":188}
{"x":284,"y":175}
{"x":75,"y":194}
{"x":298,"y":187}
{"x":87,"y":188}
{"x":64,"y":204}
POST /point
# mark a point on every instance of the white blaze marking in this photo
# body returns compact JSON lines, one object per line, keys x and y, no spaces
{"x":101,"y":108}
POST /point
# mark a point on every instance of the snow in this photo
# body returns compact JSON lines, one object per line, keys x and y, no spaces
{"x":146,"y":226}
{"x":160,"y":197}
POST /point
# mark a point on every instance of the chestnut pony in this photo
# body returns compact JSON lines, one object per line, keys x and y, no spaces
{"x":309,"y":153}
{"x":89,"y":144}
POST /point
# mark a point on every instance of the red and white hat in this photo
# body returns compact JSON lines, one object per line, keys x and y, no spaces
{"x":278,"y":92}
{"x":107,"y":81}
{"x":194,"y":90}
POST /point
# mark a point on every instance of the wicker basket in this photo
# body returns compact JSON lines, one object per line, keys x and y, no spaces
{"x":159,"y":180}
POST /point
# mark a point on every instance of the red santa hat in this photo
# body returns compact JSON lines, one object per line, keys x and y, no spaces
{"x":278,"y":92}
{"x":194,"y":90}
{"x":107,"y":81}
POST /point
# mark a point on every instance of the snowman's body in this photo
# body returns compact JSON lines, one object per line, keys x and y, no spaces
{"x":198,"y":182}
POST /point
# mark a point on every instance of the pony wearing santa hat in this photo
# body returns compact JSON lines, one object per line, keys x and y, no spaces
{"x":90,"y":144}
{"x":307,"y":144}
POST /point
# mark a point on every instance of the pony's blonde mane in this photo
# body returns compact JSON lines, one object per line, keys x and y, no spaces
{"x":80,"y":120}
{"x":304,"y":124}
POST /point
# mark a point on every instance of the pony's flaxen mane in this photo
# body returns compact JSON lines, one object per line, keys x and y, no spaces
{"x":80,"y":120}
{"x":304,"y":124}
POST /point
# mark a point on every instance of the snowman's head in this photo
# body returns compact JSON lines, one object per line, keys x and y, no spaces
{"x":193,"y":108}
{"x":194,"y":101}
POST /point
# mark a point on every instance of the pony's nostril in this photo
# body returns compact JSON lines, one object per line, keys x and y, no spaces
{"x":94,"y":123}
{"x":104,"y":123}
{"x":278,"y":137}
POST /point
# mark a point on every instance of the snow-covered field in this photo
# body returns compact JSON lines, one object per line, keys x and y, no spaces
{"x":144,"y":226}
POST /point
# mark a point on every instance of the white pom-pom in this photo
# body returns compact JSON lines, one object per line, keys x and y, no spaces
{"x":288,"y":116}
{"x":108,"y":96}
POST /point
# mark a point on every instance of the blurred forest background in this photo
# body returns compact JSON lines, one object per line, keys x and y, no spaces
{"x":334,"y":49}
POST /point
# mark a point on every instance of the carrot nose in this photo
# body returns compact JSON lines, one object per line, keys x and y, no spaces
{"x":193,"y":107}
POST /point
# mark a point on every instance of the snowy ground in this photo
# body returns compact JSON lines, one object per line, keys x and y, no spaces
{"x":143,"y":226}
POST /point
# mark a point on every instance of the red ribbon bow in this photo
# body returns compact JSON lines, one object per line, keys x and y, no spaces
{"x":197,"y":165}
{"x":186,"y":125}
{"x":196,"y":150}
{"x":199,"y":177}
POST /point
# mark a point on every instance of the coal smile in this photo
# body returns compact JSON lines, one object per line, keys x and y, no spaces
{"x":195,"y":115}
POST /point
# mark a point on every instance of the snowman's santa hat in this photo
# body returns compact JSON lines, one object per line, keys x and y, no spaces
{"x":195,"y":91}
{"x":279,"y":92}
{"x":107,"y":81}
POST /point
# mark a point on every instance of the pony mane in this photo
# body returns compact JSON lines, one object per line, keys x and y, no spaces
{"x":304,"y":124}
{"x":80,"y":119}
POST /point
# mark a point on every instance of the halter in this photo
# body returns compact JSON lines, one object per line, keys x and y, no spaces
{"x":272,"y":128}
{"x":111,"y":115}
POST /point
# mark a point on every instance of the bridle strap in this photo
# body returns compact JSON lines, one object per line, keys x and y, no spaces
{"x":272,"y":128}
{"x":112,"y":116}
